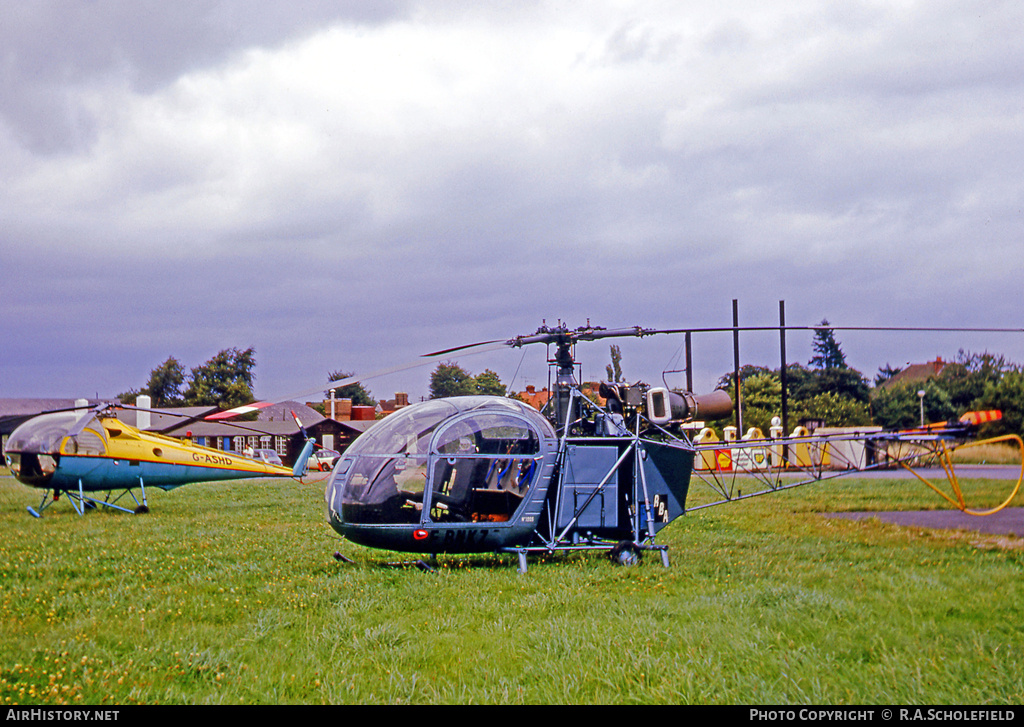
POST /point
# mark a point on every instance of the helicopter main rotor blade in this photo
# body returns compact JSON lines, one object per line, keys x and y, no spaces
{"x":444,"y":352}
{"x":555,"y":335}
{"x":896,"y":329}
{"x":189,"y":419}
{"x":563,"y":336}
{"x":83,"y":421}
{"x":481,"y":347}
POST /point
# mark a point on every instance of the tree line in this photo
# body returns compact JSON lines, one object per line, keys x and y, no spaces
{"x":225,"y":380}
{"x":826,"y":389}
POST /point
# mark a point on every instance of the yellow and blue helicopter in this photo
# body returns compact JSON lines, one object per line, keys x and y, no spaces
{"x":83,"y":453}
{"x":87,"y":452}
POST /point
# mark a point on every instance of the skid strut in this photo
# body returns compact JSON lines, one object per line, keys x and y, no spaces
{"x":80,"y":501}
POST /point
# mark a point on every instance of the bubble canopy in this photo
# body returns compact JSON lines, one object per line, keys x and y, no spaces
{"x":44,"y":433}
{"x":472,"y":459}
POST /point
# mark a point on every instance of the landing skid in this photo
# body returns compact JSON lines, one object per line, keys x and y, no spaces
{"x":82,"y":502}
{"x":625,"y":553}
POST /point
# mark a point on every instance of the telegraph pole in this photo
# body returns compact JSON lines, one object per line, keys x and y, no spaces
{"x":736,"y":365}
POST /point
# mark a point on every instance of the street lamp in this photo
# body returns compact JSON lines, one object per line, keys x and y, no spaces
{"x":920,"y":395}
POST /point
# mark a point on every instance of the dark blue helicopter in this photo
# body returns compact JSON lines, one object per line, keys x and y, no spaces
{"x":492,"y":474}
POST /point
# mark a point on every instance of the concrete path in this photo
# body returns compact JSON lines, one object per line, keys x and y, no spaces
{"x":1009,"y":521}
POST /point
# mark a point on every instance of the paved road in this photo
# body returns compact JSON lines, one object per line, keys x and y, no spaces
{"x":1009,"y":521}
{"x":963,"y":471}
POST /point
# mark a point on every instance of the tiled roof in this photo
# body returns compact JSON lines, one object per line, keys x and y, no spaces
{"x":916,"y":372}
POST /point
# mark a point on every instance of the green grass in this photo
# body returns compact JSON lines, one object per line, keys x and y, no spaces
{"x":228,"y":593}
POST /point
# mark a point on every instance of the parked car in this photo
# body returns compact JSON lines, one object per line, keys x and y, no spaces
{"x":267,"y":455}
{"x":323,"y":460}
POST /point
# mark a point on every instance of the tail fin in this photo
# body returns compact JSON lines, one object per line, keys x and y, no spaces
{"x":299,"y":469}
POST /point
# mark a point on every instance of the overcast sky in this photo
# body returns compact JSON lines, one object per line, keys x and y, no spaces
{"x":347,"y":185}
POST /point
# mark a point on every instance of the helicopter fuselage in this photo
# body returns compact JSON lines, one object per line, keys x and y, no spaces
{"x":58,"y":452}
{"x":481,"y":474}
{"x":447,"y":475}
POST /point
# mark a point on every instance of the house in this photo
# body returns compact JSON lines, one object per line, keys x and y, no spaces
{"x":536,"y":399}
{"x":539,"y":399}
{"x":916,"y":373}
{"x":343,"y":410}
{"x":390,"y":406}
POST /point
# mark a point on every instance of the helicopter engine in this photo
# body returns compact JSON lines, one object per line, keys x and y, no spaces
{"x":664,"y":406}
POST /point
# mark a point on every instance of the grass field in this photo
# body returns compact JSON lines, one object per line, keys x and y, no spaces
{"x":228,"y":593}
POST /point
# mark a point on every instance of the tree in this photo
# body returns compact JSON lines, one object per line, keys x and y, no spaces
{"x":833,"y":410}
{"x":489,"y":383}
{"x":885,"y":373}
{"x":1006,"y":395}
{"x":812,"y":397}
{"x":728,"y":381}
{"x":828,"y":354}
{"x":128,"y":397}
{"x":762,"y":400}
{"x":899,"y":406}
{"x":165,"y":383}
{"x":225,"y":380}
{"x":967,"y":378}
{"x":844,"y":382}
{"x":840,"y":395}
{"x":614,"y":369}
{"x":450,"y":379}
{"x":837,"y":396}
{"x":356,"y":392}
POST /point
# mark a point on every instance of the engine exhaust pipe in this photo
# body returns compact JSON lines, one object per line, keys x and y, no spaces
{"x":664,"y":406}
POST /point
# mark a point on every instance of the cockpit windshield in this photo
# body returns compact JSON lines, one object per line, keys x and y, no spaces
{"x":488,"y":433}
{"x":463,"y":459}
{"x":405,"y":432}
{"x":43,"y":434}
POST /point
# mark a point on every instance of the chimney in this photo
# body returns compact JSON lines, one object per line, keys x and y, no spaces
{"x":143,"y":419}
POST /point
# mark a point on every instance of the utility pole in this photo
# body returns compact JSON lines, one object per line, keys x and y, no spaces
{"x":782,"y":370}
{"x":736,"y":365}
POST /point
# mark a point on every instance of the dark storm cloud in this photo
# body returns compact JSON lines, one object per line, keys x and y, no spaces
{"x":348,"y":188}
{"x":54,"y":50}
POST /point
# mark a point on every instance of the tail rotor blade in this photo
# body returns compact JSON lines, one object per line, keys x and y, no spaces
{"x":305,"y":435}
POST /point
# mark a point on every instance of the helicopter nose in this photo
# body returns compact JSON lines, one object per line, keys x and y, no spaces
{"x":31,"y":468}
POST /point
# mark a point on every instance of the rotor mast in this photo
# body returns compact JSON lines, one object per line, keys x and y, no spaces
{"x":564,"y":339}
